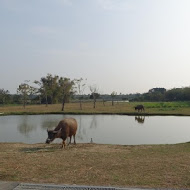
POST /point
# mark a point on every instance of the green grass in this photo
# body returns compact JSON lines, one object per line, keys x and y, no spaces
{"x":166,"y":104}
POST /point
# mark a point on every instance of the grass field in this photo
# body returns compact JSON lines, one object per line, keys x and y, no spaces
{"x":158,"y":166}
{"x":151,"y":108}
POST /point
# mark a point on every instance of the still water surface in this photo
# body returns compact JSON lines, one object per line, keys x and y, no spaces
{"x":103,"y":129}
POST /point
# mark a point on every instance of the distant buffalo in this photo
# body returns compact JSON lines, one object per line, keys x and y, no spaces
{"x":139,"y":107}
{"x":65,"y":128}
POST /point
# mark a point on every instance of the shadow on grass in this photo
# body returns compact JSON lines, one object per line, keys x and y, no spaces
{"x":52,"y":148}
{"x":39,"y":149}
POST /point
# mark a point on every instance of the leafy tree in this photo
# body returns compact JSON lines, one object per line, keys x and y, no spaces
{"x":66,"y":90}
{"x":15,"y":98}
{"x":4,"y":96}
{"x":24,"y":90}
{"x":53,"y":86}
{"x":48,"y":88}
{"x":37,"y":91}
{"x":186,"y":94}
{"x":43,"y":89}
{"x":178,"y":94}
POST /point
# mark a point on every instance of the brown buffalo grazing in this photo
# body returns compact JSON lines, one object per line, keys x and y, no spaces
{"x":65,"y":128}
{"x":139,"y":107}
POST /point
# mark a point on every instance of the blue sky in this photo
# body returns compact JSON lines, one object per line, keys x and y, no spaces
{"x":125,"y":46}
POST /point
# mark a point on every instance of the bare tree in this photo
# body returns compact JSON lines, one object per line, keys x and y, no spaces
{"x":94,"y":92}
{"x":113,"y":95}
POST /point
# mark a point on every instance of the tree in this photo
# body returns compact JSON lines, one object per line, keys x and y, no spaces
{"x":43,"y":89}
{"x":113,"y":95}
{"x":51,"y":85}
{"x":49,"y":88}
{"x":66,"y":89}
{"x":24,"y":90}
{"x":178,"y":94}
{"x":15,"y":98}
{"x":37,"y":91}
{"x":94,"y":92}
{"x":80,"y":85}
{"x":4,"y":96}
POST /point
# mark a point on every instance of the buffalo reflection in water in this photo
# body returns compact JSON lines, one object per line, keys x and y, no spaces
{"x":140,"y":119}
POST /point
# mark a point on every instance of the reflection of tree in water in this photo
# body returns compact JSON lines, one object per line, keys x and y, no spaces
{"x":25,"y":126}
{"x":93,"y":124}
{"x":49,"y":124}
{"x":81,"y":132}
{"x":140,"y":119}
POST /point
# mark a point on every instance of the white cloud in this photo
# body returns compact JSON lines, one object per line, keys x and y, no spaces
{"x":115,"y":5}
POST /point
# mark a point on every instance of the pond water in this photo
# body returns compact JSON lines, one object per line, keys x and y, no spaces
{"x":103,"y":129}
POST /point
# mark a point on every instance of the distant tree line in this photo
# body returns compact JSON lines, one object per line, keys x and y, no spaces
{"x":161,"y":94}
{"x":55,"y":89}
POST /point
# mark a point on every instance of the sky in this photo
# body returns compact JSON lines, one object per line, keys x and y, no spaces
{"x":126,"y":46}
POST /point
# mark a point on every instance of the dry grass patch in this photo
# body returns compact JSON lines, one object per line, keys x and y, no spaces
{"x":91,"y":164}
{"x":153,"y":108}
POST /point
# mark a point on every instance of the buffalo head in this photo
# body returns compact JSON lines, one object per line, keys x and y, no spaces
{"x":52,"y":135}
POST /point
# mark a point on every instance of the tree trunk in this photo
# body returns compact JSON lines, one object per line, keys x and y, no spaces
{"x":40,"y":101}
{"x":112,"y":103}
{"x":103,"y":102}
{"x":80,"y":104}
{"x":63,"y":105}
{"x":46,"y":101}
{"x":94,"y":103}
{"x":24,"y":103}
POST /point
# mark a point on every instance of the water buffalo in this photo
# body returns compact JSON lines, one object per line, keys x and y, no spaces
{"x":139,"y":107}
{"x":65,"y":128}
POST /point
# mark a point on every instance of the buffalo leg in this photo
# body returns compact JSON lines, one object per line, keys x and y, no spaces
{"x":70,"y":140}
{"x":63,"y":143}
{"x":74,"y":139}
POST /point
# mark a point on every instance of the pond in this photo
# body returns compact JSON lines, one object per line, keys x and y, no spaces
{"x":103,"y":129}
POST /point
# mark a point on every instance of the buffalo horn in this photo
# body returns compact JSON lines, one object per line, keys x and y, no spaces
{"x":57,"y":131}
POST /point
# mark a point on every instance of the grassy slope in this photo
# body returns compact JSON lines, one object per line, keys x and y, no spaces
{"x":165,"y":166}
